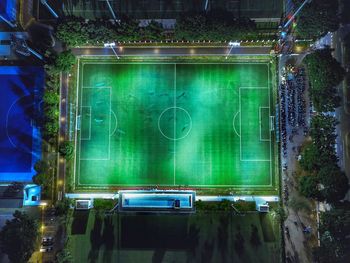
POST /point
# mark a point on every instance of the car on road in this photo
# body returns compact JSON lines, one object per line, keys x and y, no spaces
{"x":46,"y":249}
{"x":47,"y":241}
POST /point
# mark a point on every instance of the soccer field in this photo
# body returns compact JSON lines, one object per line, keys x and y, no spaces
{"x":169,"y":124}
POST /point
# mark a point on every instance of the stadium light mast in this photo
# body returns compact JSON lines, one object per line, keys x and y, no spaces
{"x":296,"y":13}
{"x":44,"y":2}
{"x":112,"y":11}
{"x":232,"y":44}
{"x":112,"y":45}
{"x":7,"y":21}
{"x":206,"y":5}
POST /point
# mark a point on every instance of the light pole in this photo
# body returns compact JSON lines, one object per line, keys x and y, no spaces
{"x":232,"y":44}
{"x":44,"y":2}
{"x":112,"y":45}
{"x":296,"y":13}
{"x":112,"y":11}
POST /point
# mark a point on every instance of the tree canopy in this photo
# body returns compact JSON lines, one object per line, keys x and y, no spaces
{"x":75,"y":31}
{"x":19,"y":237}
{"x":317,"y":18}
{"x":325,"y":180}
{"x":64,"y":61}
{"x":216,"y":26}
{"x":334,"y":183}
{"x":334,"y":226}
{"x":66,"y":149}
{"x":325,"y":73}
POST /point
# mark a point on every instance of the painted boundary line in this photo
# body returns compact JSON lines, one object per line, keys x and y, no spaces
{"x":169,"y":63}
{"x":240,"y":137}
{"x":260,"y":124}
{"x":76,"y":131}
{"x":109,"y":132}
{"x":81,"y":113}
{"x":203,"y":185}
{"x":181,"y":55}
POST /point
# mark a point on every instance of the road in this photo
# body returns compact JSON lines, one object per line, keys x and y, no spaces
{"x":63,"y":132}
{"x":343,"y":129}
{"x":171,"y":51}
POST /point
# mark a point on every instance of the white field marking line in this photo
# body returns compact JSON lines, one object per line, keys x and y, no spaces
{"x":109,"y":137}
{"x":260,"y":124}
{"x":174,"y":123}
{"x":172,"y":63}
{"x":89,"y":138}
{"x":189,"y":185}
{"x":243,"y":63}
{"x":116,"y":122}
{"x":175,"y":55}
{"x":104,"y":87}
{"x":269,"y":94}
{"x":76,"y":132}
{"x":240,"y":138}
{"x":234,"y":120}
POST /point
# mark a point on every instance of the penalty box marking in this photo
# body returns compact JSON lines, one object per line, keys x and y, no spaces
{"x":260,"y":124}
{"x":109,"y":133}
{"x":233,"y":185}
{"x":81,"y":114}
{"x":240,"y":137}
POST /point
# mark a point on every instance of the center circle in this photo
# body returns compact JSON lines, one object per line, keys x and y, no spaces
{"x":175,"y":123}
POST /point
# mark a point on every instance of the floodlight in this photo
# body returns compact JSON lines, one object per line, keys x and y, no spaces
{"x":234,"y":44}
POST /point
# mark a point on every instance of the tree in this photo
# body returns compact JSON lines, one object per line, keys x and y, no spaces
{"x":51,"y":97}
{"x":41,"y":166}
{"x":104,"y":204}
{"x":334,"y":183}
{"x":322,"y":132}
{"x":64,"y":256}
{"x":62,"y":207}
{"x":64,"y":61}
{"x":308,"y":186}
{"x":334,"y":226}
{"x":43,"y":179}
{"x":279,"y":213}
{"x":66,"y":149}
{"x":153,"y":31}
{"x":317,"y":18}
{"x":325,"y":73}
{"x":72,"y":31}
{"x":215,"y":25}
{"x":19,"y":237}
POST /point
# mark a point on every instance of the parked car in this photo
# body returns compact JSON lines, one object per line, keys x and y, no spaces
{"x":46,"y":241}
{"x":46,"y":249}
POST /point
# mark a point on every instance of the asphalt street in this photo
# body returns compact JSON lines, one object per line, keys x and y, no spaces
{"x":171,"y":51}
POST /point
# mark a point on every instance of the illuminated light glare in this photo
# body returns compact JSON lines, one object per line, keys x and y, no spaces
{"x":298,"y":49}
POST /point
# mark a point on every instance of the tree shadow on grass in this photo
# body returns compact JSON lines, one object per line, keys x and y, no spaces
{"x":108,"y":239}
{"x":95,"y":239}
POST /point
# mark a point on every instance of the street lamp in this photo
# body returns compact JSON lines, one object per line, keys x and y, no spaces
{"x":232,"y":44}
{"x":112,"y":46}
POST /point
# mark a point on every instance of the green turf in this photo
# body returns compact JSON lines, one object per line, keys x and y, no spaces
{"x":201,"y":237}
{"x":174,"y":124}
